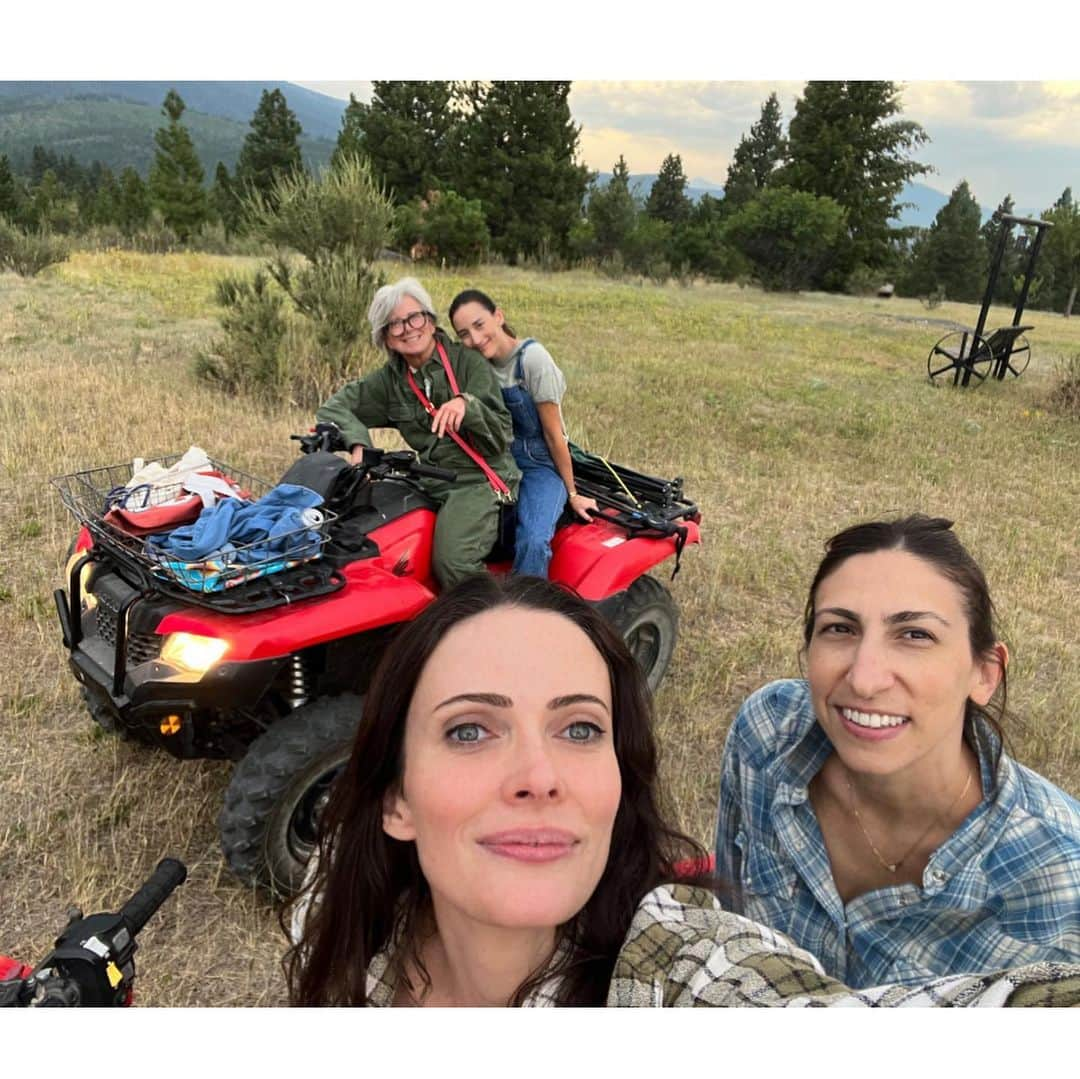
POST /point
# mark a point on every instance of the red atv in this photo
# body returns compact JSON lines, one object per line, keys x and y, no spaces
{"x":266,"y":664}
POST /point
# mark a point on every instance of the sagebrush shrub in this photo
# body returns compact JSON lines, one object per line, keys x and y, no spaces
{"x":28,"y":252}
{"x":249,"y":357}
{"x":1065,"y":393}
{"x":338,"y":223}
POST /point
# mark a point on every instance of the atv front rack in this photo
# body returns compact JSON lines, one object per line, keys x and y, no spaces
{"x":236,"y":585}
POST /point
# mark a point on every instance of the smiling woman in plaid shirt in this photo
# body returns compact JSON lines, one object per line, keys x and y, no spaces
{"x":494,"y":839}
{"x":869,"y":812}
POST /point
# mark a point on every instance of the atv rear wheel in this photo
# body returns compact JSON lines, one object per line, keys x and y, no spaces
{"x":648,"y":620}
{"x":269,"y":822}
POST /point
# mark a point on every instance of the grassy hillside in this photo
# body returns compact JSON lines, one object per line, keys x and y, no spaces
{"x":788,"y":416}
{"x":121,"y":133}
{"x":319,"y":115}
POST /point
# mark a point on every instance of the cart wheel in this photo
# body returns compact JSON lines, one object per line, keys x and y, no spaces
{"x":960,"y":357}
{"x":1017,"y":360}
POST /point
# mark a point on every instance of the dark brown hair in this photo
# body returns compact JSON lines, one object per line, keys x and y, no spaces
{"x":368,"y":889}
{"x":474,"y":295}
{"x":932,"y":540}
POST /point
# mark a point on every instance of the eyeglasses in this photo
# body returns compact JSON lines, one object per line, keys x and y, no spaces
{"x":397,"y":326}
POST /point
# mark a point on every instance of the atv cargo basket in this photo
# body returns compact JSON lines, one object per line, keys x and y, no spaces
{"x":93,"y":497}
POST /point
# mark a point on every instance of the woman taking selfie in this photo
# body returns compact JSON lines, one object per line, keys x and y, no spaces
{"x":494,"y":838}
{"x":532,"y":388}
{"x":869,"y":811}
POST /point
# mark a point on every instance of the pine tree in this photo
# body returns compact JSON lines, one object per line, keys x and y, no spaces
{"x":350,"y":140}
{"x":756,"y":157}
{"x":1061,"y":250}
{"x":612,"y":211}
{"x":224,"y":201}
{"x":8,"y":193}
{"x":271,"y":148}
{"x":667,"y":200}
{"x":41,"y":160}
{"x":45,"y":205}
{"x":176,"y":175}
{"x":405,"y":133}
{"x":101,"y":201}
{"x":516,"y":152}
{"x":843,"y":144}
{"x":133,"y":204}
{"x":952,"y":254}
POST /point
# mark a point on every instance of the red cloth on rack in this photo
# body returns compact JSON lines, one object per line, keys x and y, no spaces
{"x":166,"y":515}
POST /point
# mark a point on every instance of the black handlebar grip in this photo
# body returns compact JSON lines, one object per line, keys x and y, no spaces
{"x":433,"y":472}
{"x":140,"y":908}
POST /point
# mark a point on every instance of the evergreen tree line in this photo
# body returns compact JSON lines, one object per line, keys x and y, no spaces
{"x":954,"y":256}
{"x":816,"y":206}
{"x":493,"y":166}
{"x":476,"y":170}
{"x":58,"y":195}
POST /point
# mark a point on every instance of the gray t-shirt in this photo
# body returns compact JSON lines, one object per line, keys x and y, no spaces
{"x":541,"y":375}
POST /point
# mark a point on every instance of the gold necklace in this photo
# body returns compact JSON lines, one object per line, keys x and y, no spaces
{"x":892,"y":867}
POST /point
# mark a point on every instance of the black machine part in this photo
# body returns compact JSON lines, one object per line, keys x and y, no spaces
{"x":1008,"y":221}
{"x":92,"y":964}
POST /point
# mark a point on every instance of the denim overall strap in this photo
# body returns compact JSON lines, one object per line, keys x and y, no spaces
{"x":519,"y":402}
{"x":542,"y":495}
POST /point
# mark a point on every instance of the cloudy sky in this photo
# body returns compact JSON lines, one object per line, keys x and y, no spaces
{"x":1019,"y":138}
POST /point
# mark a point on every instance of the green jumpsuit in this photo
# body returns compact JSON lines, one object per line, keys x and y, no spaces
{"x":468,"y":518}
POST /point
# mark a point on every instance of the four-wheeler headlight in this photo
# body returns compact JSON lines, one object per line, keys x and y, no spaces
{"x":192,"y":652}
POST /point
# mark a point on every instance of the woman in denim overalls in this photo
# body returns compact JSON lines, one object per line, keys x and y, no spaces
{"x":540,"y":448}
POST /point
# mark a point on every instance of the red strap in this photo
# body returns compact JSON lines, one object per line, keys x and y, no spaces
{"x":497,"y":484}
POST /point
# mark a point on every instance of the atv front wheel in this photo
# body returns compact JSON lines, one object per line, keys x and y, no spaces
{"x":269,"y":822}
{"x":101,"y":714}
{"x":648,"y":620}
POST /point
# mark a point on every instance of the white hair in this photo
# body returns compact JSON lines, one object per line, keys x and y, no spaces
{"x":388,"y":297}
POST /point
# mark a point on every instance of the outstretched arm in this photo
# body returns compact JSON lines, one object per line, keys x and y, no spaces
{"x":551,"y":423}
{"x":357,"y":406}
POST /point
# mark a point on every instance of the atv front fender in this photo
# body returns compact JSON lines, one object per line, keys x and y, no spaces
{"x":372,"y":597}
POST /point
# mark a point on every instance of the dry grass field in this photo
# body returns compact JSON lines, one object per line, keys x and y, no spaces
{"x":788,"y":416}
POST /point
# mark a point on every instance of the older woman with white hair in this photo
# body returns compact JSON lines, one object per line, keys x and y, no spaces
{"x":445,"y":401}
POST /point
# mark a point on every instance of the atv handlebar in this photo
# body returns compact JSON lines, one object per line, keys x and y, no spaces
{"x":327,"y":438}
{"x":143,"y":905}
{"x":93,"y":960}
{"x":323,"y":436}
{"x":382,"y":462}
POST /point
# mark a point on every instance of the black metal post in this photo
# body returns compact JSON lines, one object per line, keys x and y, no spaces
{"x":991,"y":281}
{"x":1029,"y":273}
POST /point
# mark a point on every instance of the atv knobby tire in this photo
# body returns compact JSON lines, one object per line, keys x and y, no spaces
{"x":269,"y":820}
{"x":101,"y":714}
{"x":648,"y":620}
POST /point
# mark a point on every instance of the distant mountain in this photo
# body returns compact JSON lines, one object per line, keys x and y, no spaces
{"x":319,"y":115}
{"x":924,"y":202}
{"x":641,"y":184}
{"x":114,"y":122}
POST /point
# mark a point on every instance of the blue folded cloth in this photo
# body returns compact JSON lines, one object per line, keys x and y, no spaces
{"x":278,"y":525}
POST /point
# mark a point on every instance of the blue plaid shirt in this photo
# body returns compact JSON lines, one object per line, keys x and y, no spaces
{"x":1002,"y":890}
